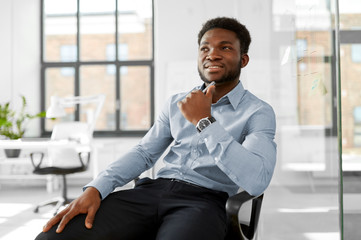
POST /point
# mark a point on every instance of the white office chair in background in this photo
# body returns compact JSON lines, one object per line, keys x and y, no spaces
{"x":72,"y":158}
{"x":65,"y":160}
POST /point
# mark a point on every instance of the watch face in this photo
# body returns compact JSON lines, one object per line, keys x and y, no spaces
{"x":204,"y":123}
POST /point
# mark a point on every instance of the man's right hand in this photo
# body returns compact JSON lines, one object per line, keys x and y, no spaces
{"x":87,"y":203}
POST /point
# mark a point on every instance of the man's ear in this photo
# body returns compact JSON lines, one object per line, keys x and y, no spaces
{"x":244,"y":60}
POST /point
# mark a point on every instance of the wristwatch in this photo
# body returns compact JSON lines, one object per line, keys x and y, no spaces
{"x":205,"y":122}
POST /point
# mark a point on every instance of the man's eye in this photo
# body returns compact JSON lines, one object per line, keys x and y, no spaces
{"x":227,"y":48}
{"x":204,"y":49}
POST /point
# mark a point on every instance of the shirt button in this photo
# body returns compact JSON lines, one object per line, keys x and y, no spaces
{"x":216,"y":159}
{"x":206,"y":140}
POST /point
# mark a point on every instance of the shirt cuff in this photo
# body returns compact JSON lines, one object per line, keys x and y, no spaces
{"x":101,"y":187}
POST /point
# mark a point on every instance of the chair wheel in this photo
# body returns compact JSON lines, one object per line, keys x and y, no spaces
{"x":36,"y":210}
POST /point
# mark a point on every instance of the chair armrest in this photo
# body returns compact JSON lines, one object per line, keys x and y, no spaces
{"x":235,"y":202}
{"x":233,"y":206}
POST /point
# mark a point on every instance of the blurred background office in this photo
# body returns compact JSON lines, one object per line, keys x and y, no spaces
{"x":305,"y":60}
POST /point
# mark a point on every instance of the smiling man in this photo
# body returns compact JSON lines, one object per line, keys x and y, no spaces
{"x":222,"y":140}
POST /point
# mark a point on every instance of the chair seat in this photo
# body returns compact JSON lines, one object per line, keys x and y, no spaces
{"x":58,"y":170}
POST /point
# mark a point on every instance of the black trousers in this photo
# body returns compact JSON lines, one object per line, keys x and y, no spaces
{"x":161,"y":209}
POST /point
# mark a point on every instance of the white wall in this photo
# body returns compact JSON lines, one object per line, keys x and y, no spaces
{"x":5,"y":49}
{"x":20,"y":55}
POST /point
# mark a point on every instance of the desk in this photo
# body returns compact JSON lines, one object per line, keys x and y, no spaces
{"x":46,"y":144}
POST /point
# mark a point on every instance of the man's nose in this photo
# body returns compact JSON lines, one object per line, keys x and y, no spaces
{"x":213,"y":54}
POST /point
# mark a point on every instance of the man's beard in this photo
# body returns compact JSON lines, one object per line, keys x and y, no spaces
{"x":228,"y":77}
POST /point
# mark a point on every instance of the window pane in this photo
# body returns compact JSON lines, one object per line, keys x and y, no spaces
{"x":135,"y":28}
{"x":356,"y":53}
{"x":61,"y":85}
{"x":122,"y":52}
{"x":59,"y":28}
{"x":135,"y":98}
{"x":68,"y":53}
{"x":94,"y":79}
{"x":97,"y":29}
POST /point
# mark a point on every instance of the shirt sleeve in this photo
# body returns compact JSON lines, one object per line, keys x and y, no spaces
{"x":249,"y":164}
{"x":139,"y":159}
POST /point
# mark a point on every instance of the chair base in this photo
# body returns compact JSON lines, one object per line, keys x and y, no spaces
{"x":58,"y":202}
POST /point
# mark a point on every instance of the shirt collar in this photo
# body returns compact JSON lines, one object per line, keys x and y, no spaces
{"x":234,"y":96}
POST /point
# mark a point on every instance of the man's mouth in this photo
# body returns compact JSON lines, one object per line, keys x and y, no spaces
{"x":210,"y":65}
{"x":212,"y":68}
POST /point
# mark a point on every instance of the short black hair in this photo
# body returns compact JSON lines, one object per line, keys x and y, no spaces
{"x":230,"y":24}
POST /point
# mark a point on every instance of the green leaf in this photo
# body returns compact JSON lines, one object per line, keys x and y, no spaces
{"x":12,"y":122}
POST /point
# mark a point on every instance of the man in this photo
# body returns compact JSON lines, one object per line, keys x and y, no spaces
{"x":223,"y":140}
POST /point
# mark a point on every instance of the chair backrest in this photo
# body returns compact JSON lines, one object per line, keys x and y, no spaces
{"x":76,"y":131}
{"x":71,"y":131}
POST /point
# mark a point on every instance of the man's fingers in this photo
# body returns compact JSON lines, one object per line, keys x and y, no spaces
{"x":51,"y":223}
{"x":67,"y":217}
{"x":87,"y":203}
{"x":210,"y":91}
{"x":90,"y":218}
{"x":54,"y":220}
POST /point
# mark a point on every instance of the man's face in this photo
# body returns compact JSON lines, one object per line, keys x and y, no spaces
{"x":219,"y":56}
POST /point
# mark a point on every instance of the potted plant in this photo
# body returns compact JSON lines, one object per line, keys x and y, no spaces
{"x":13,"y":124}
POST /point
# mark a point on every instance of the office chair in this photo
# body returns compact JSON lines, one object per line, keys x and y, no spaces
{"x":64,"y":161}
{"x":237,"y":230}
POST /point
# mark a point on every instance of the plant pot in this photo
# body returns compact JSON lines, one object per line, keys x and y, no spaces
{"x":12,"y":153}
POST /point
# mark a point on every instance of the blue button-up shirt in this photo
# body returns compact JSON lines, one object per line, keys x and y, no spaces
{"x":237,"y":151}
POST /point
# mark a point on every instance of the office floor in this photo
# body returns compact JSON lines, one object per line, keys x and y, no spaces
{"x":17,"y":219}
{"x":281,"y":216}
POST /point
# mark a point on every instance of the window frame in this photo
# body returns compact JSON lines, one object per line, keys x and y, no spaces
{"x":118,"y":132}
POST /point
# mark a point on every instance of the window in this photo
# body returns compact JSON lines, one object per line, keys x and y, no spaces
{"x":67,"y":54}
{"x":91,"y":47}
{"x":122,"y":55}
{"x":356,"y":53}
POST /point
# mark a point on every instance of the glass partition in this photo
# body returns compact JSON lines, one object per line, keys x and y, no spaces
{"x":350,"y":66}
{"x":292,"y":66}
